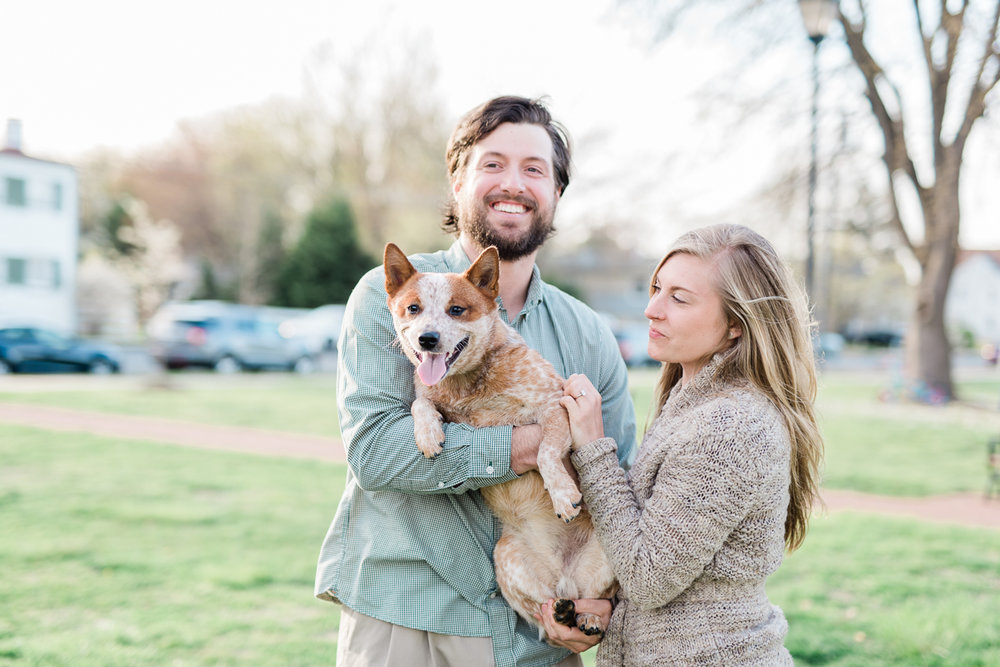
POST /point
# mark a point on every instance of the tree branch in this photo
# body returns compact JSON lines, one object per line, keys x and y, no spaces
{"x":897,"y":222}
{"x":976,"y":105}
{"x":925,"y":39}
{"x":897,"y":156}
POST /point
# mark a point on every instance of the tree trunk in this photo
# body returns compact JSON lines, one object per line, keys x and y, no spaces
{"x":928,"y":352}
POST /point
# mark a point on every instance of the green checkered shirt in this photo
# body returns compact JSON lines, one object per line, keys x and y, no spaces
{"x":412,"y":540}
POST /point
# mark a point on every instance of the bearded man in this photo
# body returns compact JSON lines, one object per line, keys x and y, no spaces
{"x":409,"y":552}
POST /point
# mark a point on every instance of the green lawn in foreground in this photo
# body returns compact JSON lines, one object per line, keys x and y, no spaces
{"x":129,"y":553}
{"x":124,"y":553}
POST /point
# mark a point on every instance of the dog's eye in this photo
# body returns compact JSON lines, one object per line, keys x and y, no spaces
{"x":455,"y":311}
{"x":413,"y":309}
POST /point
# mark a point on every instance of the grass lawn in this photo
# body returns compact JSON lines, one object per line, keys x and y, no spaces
{"x":890,"y":448}
{"x":131,"y":553}
{"x":126,"y":553}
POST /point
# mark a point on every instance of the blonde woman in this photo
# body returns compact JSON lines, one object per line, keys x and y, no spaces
{"x":727,"y":472}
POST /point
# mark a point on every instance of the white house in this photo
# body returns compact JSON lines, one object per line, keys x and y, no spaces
{"x":973,"y":303}
{"x":39,"y":236}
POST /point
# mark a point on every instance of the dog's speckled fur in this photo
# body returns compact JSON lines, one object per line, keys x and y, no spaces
{"x":548,"y":548}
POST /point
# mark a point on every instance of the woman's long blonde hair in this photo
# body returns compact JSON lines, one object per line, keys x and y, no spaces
{"x":774,"y":351}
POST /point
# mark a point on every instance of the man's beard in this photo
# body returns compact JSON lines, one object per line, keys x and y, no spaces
{"x":475,"y":223}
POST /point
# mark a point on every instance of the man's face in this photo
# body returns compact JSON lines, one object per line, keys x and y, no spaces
{"x":506,"y":194}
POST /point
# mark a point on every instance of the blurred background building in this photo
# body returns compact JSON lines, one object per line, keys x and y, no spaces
{"x":973,"y":306}
{"x":39,"y":232}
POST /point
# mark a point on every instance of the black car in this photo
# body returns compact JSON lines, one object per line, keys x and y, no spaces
{"x":33,"y":350}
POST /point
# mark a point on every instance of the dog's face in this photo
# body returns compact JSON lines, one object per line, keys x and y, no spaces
{"x":443,"y":319}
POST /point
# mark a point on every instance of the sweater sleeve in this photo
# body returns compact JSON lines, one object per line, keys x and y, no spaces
{"x":659,"y":547}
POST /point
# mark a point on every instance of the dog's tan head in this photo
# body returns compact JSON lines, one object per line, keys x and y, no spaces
{"x":444,"y":320}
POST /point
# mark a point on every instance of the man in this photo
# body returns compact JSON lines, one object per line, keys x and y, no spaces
{"x":409,"y":552}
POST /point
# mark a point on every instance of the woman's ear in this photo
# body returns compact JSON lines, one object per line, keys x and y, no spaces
{"x":735,"y":331}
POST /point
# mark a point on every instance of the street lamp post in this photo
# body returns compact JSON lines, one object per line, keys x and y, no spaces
{"x":816,"y":15}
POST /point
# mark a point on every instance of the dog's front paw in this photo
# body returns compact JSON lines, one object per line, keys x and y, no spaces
{"x":566,"y":505}
{"x":429,"y":439}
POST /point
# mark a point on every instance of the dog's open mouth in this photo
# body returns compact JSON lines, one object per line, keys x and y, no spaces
{"x":433,"y":367}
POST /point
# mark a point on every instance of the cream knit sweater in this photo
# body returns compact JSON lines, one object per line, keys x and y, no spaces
{"x":694,"y":529}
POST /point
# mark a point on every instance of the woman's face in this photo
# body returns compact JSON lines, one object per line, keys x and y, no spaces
{"x":687,"y":323}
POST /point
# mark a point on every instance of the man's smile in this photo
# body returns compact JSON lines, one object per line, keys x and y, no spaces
{"x":509,"y":207}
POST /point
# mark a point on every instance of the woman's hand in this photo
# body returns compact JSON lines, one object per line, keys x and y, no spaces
{"x":583,"y":404}
{"x":564,"y":636}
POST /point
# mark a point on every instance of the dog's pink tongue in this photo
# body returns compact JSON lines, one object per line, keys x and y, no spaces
{"x":432,"y":369}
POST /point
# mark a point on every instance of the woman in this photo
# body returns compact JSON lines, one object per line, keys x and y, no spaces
{"x":728,"y":470}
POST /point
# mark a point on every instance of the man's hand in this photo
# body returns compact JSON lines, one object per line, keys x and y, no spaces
{"x":573,"y":639}
{"x":524,"y":443}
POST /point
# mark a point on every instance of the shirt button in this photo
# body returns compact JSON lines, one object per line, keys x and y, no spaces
{"x":493,"y":595}
{"x":440,"y":485}
{"x":489,"y":470}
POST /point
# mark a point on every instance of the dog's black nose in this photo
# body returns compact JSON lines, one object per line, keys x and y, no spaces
{"x":429,"y":340}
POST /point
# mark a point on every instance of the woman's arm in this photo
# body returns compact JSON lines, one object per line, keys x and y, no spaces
{"x":698,"y":497}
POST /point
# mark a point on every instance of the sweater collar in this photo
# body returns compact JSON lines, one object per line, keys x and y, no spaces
{"x":706,"y":383}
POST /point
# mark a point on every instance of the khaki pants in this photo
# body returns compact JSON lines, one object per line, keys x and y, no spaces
{"x":364,"y":641}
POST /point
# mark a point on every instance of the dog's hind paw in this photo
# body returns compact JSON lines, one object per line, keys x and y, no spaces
{"x":564,"y":612}
{"x":589,"y":624}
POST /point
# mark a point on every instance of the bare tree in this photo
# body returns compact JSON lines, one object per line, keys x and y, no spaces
{"x":387,"y":129}
{"x":925,"y":127}
{"x":952,"y":36}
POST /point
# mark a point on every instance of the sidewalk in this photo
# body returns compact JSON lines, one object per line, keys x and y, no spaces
{"x":963,"y":509}
{"x":169,"y":431}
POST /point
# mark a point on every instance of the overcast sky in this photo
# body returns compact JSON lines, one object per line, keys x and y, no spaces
{"x":121,"y":73}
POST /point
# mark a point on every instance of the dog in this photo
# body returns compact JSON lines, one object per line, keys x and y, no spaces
{"x":472,"y":367}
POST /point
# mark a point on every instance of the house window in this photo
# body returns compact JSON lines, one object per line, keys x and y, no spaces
{"x":35,"y":272}
{"x":17,"y":271}
{"x":43,"y":273}
{"x":17,"y":194}
{"x":57,"y":196}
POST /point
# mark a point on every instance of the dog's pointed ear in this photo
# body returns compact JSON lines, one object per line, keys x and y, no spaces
{"x":485,"y":272}
{"x":397,"y":268}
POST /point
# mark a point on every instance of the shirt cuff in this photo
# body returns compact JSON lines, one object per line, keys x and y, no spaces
{"x":490,"y":452}
{"x":594,"y":450}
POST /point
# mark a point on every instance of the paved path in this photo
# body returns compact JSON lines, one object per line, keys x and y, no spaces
{"x":963,"y":509}
{"x":171,"y":431}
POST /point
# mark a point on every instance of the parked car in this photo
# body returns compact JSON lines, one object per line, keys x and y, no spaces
{"x":633,"y":342}
{"x":318,"y":328}
{"x":875,"y":337}
{"x":829,"y":344}
{"x":225,"y":337}
{"x":36,"y":350}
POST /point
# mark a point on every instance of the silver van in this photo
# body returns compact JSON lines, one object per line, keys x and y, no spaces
{"x":226,"y":337}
